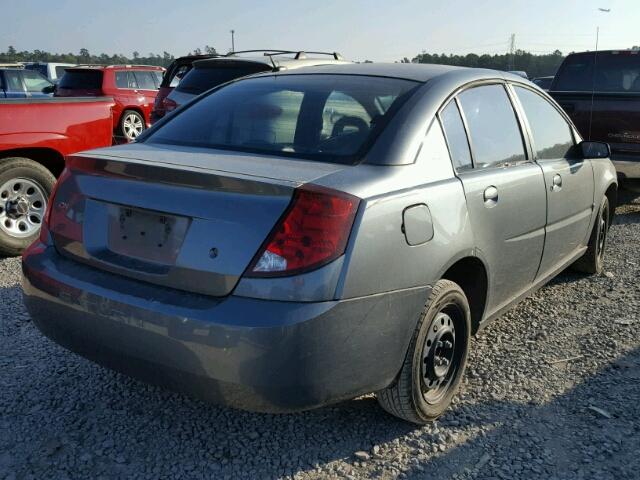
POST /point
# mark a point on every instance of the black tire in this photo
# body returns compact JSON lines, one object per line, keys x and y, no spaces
{"x":593,"y":259}
{"x":127,"y":121}
{"x":410,"y":397}
{"x":21,"y":168}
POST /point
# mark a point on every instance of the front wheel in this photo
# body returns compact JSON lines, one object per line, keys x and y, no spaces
{"x":436,"y":359}
{"x":25,"y":187}
{"x":131,"y":125}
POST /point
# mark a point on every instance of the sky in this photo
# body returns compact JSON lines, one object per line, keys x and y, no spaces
{"x":360,"y":30}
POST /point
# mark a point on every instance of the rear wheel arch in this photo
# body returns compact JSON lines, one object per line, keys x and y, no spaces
{"x":470,"y":273}
{"x":49,"y":158}
{"x":612,"y":195}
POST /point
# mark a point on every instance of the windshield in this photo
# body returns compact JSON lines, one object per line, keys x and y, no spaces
{"x":81,"y":79}
{"x":201,"y":79}
{"x":319,"y":117}
{"x":614,"y":72}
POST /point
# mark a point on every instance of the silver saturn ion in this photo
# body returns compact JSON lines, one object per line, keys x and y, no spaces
{"x":299,"y":238}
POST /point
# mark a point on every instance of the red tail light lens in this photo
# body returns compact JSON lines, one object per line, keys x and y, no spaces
{"x":44,"y":228}
{"x":313,"y":232}
{"x":65,"y":210}
{"x":169,"y":105}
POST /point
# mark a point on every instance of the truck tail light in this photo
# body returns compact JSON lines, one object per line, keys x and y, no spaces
{"x":313,"y":231}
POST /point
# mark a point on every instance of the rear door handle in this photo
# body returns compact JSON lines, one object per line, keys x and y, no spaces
{"x":557,"y":183}
{"x":490,"y":196}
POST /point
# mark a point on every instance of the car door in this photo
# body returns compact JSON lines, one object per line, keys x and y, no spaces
{"x":36,"y":84}
{"x":504,"y":188}
{"x":12,"y":84}
{"x":568,"y":178}
{"x":147,"y":88}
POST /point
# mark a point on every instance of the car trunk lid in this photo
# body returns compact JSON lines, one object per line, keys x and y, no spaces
{"x":180,"y":218}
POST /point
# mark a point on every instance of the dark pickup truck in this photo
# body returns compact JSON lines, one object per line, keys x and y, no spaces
{"x":35,"y":137}
{"x":601,"y":93}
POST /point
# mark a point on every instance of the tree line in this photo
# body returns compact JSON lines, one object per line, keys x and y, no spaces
{"x":534,"y":65}
{"x":85,"y":57}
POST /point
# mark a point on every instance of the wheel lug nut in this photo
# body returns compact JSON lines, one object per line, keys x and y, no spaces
{"x":448,"y":344}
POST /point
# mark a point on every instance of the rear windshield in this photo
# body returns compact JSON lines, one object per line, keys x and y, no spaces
{"x":81,"y":80}
{"x":614,"y":72}
{"x":331,"y":118}
{"x":201,"y":79}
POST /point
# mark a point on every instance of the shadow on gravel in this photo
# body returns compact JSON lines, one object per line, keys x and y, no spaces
{"x":573,"y":440}
{"x":575,"y":437}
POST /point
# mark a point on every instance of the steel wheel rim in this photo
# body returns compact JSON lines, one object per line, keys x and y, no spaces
{"x":22,"y":205}
{"x":442,"y":353}
{"x":132,"y":126}
{"x":602,"y":233}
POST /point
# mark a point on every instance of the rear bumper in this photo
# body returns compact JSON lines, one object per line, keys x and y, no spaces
{"x":252,"y":354}
{"x":627,"y":166}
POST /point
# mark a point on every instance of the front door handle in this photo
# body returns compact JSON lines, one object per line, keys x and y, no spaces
{"x":490,"y":196}
{"x":557,"y":183}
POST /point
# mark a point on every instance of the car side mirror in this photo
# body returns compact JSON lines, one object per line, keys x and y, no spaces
{"x":594,"y":150}
{"x":49,"y":89}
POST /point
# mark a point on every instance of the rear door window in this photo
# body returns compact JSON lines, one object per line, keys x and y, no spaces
{"x":551,"y":133}
{"x":494,"y":132}
{"x":144,"y":79}
{"x":122,"y":79}
{"x":456,"y":137}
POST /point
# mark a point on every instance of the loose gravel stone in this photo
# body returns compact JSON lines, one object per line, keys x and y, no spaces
{"x":518,"y":414}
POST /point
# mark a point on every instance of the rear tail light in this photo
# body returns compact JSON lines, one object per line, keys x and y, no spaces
{"x":169,"y":105}
{"x":64,"y":214}
{"x":313,"y":231}
{"x":44,"y":228}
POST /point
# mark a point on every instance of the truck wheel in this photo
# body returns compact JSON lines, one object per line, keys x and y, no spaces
{"x":436,"y":358}
{"x":25,"y":187}
{"x":131,"y":125}
{"x":593,"y":259}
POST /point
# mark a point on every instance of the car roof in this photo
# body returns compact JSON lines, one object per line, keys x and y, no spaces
{"x":628,"y":51}
{"x":418,"y":72}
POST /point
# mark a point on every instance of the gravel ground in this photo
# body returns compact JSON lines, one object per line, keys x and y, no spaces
{"x":553,"y":391}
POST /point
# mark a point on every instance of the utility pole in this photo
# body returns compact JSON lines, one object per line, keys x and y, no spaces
{"x":512,"y":51}
{"x":233,"y":43}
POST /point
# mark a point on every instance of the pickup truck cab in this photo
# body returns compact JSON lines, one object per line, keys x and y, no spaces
{"x":35,"y":137}
{"x":600,"y":91}
{"x":53,"y":71}
{"x":20,"y":83}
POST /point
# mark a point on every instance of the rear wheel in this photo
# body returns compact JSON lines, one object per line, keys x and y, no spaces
{"x":436,"y":358}
{"x":131,"y":124}
{"x":593,"y":259}
{"x":25,"y":187}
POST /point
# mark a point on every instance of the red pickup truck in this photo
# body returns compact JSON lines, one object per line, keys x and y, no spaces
{"x":35,"y":136}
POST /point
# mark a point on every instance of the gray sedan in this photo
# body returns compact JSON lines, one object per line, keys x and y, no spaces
{"x":299,"y":238}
